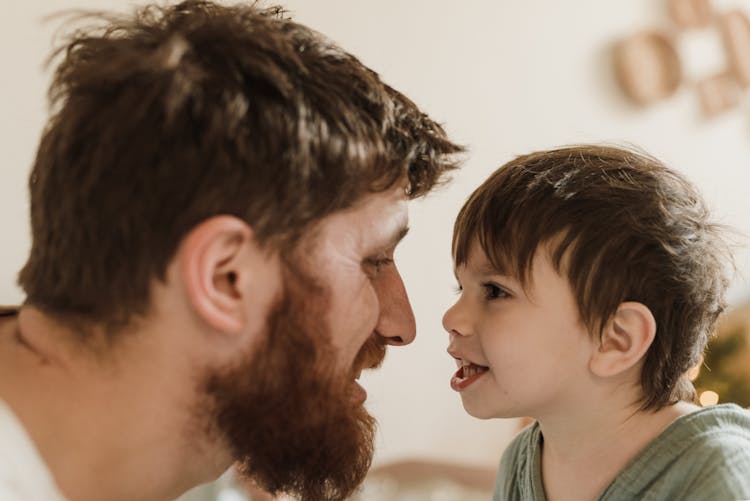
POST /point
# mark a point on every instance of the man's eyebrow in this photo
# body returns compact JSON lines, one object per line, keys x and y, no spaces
{"x":398,"y":236}
{"x":393,"y":240}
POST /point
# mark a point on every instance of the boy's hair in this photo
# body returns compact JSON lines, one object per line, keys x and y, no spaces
{"x":622,"y":227}
{"x":176,"y":114}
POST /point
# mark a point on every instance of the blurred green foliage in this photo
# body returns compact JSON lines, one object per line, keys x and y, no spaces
{"x":726,"y":367}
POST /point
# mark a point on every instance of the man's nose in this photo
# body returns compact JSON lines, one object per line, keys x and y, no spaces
{"x":396,"y":323}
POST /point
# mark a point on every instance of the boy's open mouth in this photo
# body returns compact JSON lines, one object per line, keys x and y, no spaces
{"x":467,"y":374}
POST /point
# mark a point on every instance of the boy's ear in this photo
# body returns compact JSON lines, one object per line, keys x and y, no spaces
{"x":217,"y":257}
{"x":625,"y":340}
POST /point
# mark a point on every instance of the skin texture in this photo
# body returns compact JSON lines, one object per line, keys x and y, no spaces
{"x":582,"y":387}
{"x":140,"y":407}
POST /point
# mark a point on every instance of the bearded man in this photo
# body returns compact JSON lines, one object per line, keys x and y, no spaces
{"x":215,"y":204}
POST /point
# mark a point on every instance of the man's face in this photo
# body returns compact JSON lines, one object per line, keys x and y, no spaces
{"x":351,"y":254}
{"x":528,"y":348}
{"x":290,"y":409}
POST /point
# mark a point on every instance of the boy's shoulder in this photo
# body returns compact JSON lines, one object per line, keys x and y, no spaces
{"x":522,"y":446}
{"x":518,"y":474}
{"x":703,"y":455}
{"x":717,"y":431}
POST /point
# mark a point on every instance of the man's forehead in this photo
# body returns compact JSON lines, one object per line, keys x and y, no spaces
{"x":382,"y":218}
{"x":376,"y":220}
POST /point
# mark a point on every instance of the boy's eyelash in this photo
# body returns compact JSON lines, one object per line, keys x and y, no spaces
{"x":494,"y":291}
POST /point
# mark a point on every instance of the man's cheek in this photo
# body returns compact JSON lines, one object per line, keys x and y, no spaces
{"x":353,"y":318}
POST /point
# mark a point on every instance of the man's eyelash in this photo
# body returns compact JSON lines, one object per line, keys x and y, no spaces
{"x":378,"y":263}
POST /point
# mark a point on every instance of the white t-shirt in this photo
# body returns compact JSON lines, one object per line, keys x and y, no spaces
{"x":23,"y":474}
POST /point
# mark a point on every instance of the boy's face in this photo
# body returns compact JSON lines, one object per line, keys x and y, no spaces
{"x":528,"y":350}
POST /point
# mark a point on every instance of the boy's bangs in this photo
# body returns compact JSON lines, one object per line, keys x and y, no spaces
{"x":509,"y":250}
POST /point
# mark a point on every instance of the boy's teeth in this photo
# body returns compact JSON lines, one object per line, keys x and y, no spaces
{"x":469,"y":369}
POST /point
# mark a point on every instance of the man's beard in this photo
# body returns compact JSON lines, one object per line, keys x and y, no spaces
{"x":285,"y":412}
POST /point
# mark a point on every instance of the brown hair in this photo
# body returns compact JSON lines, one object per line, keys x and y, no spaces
{"x":176,"y":114}
{"x":622,"y":227}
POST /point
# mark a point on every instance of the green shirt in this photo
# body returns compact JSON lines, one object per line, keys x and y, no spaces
{"x":704,"y":455}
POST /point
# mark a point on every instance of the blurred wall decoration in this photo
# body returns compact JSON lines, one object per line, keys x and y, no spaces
{"x":649,"y":64}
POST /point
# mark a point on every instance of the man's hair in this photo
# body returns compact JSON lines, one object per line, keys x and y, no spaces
{"x":621,"y":227}
{"x":165,"y":118}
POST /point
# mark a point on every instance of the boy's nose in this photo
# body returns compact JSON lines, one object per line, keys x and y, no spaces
{"x":455,"y":321}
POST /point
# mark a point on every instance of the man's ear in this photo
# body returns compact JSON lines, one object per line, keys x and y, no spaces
{"x":216,"y":258}
{"x":625,"y":340}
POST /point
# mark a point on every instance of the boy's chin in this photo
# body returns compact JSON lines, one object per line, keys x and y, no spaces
{"x":480,"y":410}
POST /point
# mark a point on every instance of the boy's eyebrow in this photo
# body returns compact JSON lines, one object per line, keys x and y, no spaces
{"x":488,"y":269}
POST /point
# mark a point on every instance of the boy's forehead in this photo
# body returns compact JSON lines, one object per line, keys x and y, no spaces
{"x":482,"y":263}
{"x":479,"y":264}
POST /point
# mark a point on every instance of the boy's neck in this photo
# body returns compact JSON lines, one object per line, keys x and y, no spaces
{"x":583,"y":452}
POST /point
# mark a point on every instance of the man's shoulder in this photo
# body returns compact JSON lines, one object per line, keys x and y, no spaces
{"x":23,"y":474}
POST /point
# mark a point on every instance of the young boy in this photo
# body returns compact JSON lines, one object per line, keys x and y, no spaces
{"x":590,"y":279}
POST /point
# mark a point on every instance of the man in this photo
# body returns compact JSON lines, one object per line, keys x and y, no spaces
{"x":215,"y":204}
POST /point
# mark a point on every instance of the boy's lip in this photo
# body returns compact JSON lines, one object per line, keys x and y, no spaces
{"x":459,"y":381}
{"x":461,"y":360}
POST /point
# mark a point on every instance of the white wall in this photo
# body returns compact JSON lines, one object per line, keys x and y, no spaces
{"x":506,"y":77}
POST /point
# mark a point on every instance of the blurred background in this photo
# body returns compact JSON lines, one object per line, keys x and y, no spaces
{"x":505,"y":77}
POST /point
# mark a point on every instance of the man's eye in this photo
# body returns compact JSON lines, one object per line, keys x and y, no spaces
{"x":494,"y":291}
{"x":379,"y":263}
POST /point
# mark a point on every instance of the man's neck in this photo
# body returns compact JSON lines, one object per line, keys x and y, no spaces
{"x":122,"y":424}
{"x":584,"y":451}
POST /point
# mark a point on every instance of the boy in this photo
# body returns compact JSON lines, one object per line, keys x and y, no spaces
{"x":590,"y":279}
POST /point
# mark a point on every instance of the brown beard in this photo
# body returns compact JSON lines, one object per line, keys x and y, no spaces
{"x":285,"y":412}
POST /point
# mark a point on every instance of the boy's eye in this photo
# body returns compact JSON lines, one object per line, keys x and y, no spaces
{"x":458,"y":289}
{"x":493,"y":291}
